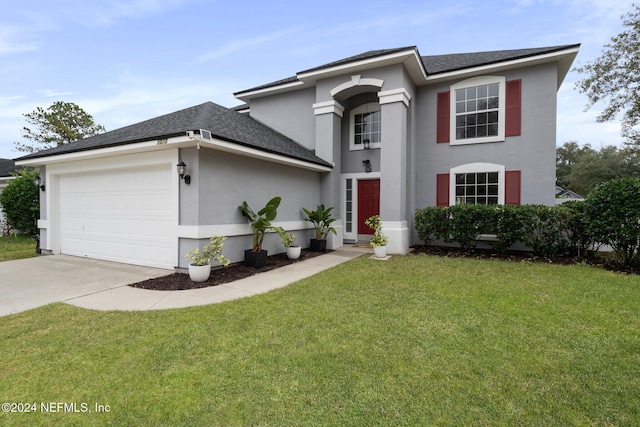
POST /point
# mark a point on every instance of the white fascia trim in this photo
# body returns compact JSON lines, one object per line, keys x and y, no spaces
{"x":229,"y":230}
{"x":177,"y":142}
{"x":328,"y":107}
{"x":356,"y":80}
{"x":394,"y":95}
{"x":262,"y":155}
{"x":366,"y":64}
{"x":95,"y":153}
{"x":269,"y":90}
{"x":517,"y":63}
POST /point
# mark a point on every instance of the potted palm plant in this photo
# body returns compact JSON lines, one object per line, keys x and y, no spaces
{"x":200,"y":265}
{"x":321,"y":219}
{"x":260,"y":224}
{"x":379,"y":240}
{"x":289,"y":242}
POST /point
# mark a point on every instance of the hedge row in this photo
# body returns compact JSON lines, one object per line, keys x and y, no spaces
{"x":610,"y":216}
{"x":548,"y":231}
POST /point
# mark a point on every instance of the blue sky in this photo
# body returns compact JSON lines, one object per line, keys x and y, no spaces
{"x":124,"y":61}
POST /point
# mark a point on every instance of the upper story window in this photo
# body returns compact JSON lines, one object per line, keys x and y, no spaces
{"x":478,"y":110}
{"x":366,"y":124}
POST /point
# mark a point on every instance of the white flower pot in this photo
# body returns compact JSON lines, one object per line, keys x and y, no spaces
{"x":199,"y":273}
{"x":380,"y":251}
{"x":293,"y":252}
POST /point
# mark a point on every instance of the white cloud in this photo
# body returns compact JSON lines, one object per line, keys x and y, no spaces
{"x":14,"y":39}
{"x":233,"y":46}
{"x":48,"y":93}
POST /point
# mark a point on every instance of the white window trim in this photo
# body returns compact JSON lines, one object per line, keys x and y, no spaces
{"x":476,"y":168}
{"x":478,"y":81}
{"x":368,"y":107}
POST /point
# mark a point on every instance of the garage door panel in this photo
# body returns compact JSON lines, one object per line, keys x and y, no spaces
{"x":124,"y":216}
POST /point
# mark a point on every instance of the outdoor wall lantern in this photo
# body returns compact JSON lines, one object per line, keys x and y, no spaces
{"x":367,"y":165}
{"x":39,"y":182}
{"x":181,"y":172}
{"x":367,"y":144}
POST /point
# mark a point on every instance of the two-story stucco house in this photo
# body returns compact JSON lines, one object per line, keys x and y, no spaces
{"x":385,"y":132}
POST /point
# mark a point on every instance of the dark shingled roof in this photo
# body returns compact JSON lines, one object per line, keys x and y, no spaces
{"x":6,"y":167}
{"x":223,"y":123}
{"x":232,"y":126}
{"x":360,"y":57}
{"x":434,"y":64}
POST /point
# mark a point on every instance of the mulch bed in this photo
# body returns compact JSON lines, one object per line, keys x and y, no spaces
{"x":603,"y":260}
{"x":233,"y":272}
{"x":219,"y":276}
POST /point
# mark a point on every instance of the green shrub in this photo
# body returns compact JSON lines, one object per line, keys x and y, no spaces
{"x":581,"y":241}
{"x":545,"y":229}
{"x":20,"y":202}
{"x":466,"y":222}
{"x":431,"y":223}
{"x":612,"y":212}
{"x":508,"y":224}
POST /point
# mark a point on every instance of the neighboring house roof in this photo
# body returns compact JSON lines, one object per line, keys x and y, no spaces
{"x":431,"y":65}
{"x":223,"y":123}
{"x":561,"y":193}
{"x":7,"y":166}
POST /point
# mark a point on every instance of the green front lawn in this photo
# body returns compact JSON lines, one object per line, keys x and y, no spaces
{"x":17,"y":247}
{"x":416,"y":340}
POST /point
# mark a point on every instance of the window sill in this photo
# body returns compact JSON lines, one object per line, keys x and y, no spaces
{"x":476,"y":140}
{"x":376,"y":146}
{"x":487,"y":238}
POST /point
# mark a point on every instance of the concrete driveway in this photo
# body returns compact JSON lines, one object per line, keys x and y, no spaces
{"x":34,"y":282}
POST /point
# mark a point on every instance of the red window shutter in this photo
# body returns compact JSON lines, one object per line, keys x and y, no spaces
{"x":512,"y":187}
{"x":443,"y":114}
{"x":513,"y":110}
{"x":442,"y":192}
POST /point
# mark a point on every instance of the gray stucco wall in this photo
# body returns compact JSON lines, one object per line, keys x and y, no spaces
{"x":290,"y":113}
{"x":533,"y":152}
{"x":222,"y":181}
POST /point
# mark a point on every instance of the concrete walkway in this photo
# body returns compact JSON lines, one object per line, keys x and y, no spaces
{"x":134,"y":299}
{"x":101,"y":285}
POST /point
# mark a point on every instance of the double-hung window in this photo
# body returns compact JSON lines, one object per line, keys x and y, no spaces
{"x":477,"y":188}
{"x":478,"y":110}
{"x":366,"y":125}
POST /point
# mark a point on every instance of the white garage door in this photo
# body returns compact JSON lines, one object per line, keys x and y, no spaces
{"x":123,"y":215}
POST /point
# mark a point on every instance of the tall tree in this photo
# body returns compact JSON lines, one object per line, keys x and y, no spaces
{"x":582,"y":168}
{"x":61,"y":123}
{"x":614,"y":78}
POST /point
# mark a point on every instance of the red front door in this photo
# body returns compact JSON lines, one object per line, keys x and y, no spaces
{"x":368,"y":203}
